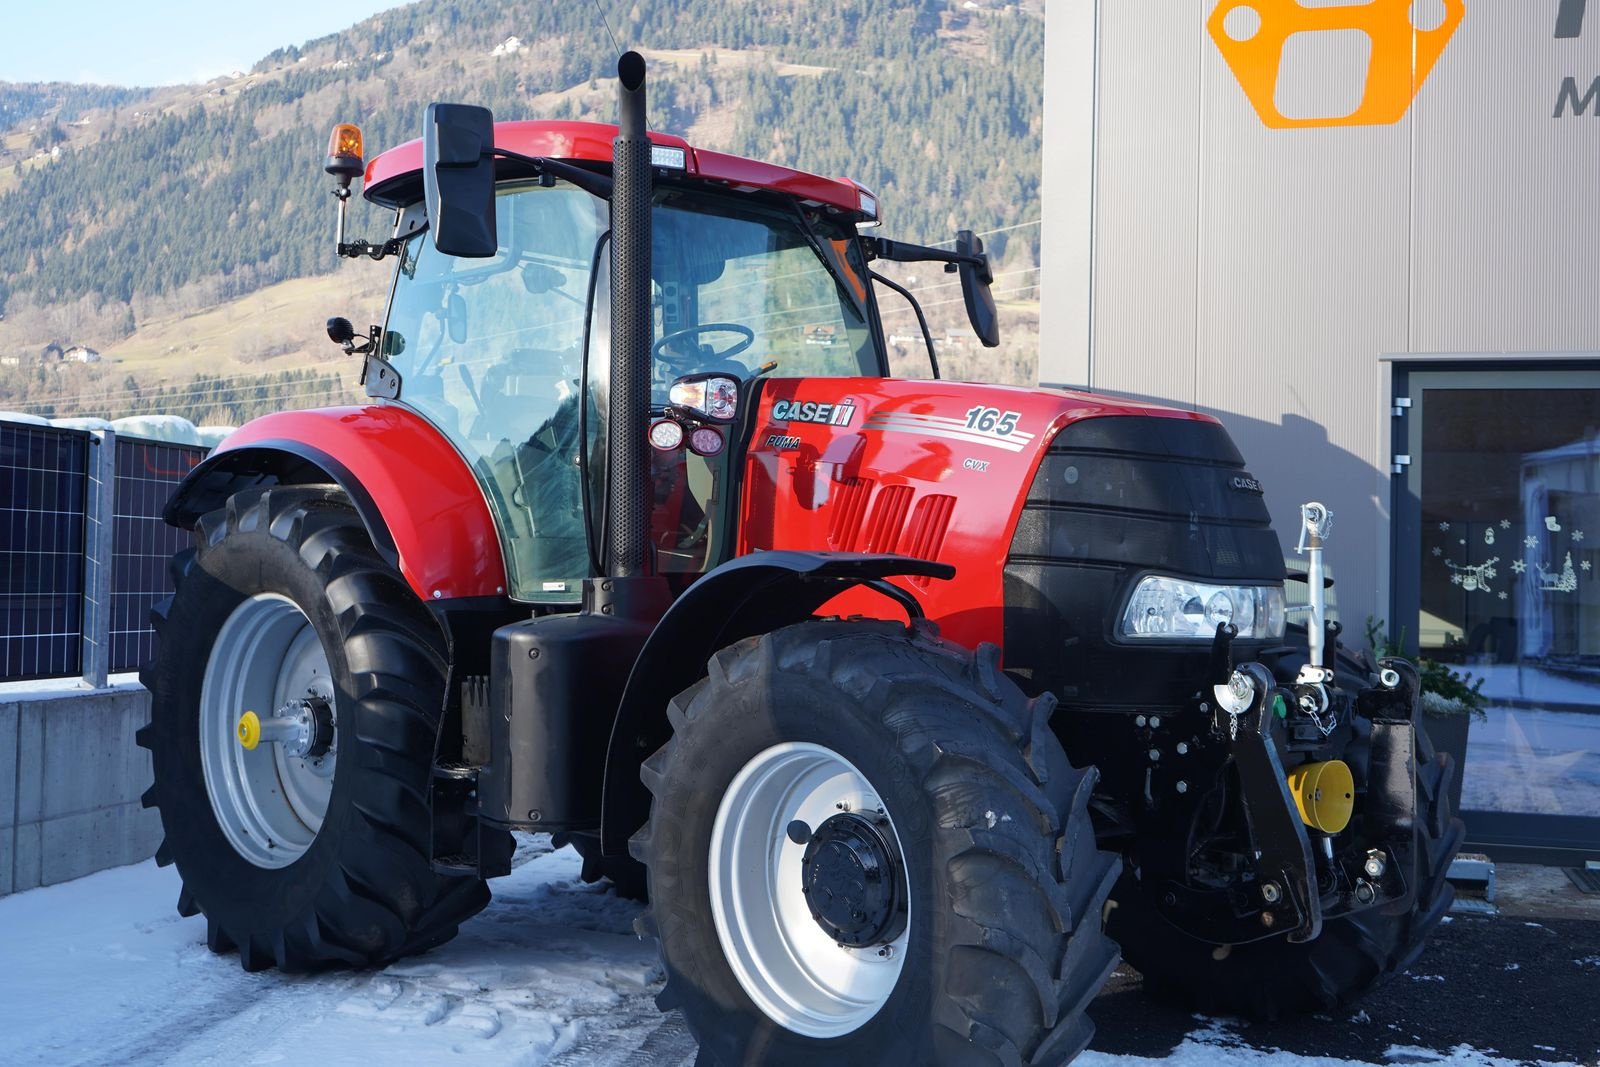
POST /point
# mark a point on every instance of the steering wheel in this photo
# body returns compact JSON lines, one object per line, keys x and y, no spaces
{"x":747,"y":338}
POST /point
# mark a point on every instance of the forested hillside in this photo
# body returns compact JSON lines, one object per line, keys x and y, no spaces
{"x":163,"y":204}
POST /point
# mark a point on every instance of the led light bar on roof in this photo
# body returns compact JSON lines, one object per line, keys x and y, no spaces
{"x":668,"y":156}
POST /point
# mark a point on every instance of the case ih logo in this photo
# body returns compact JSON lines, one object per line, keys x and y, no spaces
{"x":1251,"y":34}
{"x":838,"y":414}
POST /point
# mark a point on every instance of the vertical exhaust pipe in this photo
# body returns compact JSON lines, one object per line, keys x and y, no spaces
{"x":629,"y":498}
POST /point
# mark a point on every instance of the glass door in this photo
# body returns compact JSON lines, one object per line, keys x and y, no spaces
{"x":1497,"y":576}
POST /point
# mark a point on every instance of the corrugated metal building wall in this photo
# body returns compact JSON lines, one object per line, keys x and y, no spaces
{"x":1196,"y":254}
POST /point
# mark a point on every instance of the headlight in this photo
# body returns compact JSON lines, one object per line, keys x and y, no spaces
{"x":1175,"y":609}
{"x":713,"y":397}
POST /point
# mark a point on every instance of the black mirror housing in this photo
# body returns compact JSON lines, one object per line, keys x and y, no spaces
{"x":458,"y":179}
{"x":340,"y":331}
{"x":975,"y":282}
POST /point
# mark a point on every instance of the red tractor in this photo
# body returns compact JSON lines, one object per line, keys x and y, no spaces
{"x":906,"y":702}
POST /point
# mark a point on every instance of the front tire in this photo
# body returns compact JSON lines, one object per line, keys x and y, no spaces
{"x":975,"y":926}
{"x":300,"y":862}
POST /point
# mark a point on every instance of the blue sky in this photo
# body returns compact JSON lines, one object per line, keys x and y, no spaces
{"x":159,"y":42}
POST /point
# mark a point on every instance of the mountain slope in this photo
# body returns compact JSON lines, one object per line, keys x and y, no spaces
{"x":169,"y":202}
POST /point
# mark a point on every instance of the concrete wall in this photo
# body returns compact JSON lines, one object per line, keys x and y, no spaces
{"x":70,"y":780}
{"x":1261,"y":272}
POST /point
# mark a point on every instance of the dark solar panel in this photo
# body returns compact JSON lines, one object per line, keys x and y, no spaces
{"x":43,"y":481}
{"x":147,"y":473}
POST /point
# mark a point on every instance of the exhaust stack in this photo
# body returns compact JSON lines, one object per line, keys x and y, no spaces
{"x":628,"y":501}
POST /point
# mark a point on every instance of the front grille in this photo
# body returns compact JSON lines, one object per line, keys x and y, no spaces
{"x":1116,"y":498}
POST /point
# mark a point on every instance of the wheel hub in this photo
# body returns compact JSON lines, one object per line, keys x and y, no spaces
{"x":853,"y":882}
{"x":269,"y":779}
{"x":815,"y":926}
{"x":302,"y":728}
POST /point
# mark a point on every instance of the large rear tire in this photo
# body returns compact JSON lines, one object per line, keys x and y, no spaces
{"x":1354,"y":954}
{"x":297,"y":862}
{"x":965,"y":874}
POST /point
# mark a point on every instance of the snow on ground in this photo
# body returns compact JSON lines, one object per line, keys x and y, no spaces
{"x":103,"y":971}
{"x":1217,"y":1044}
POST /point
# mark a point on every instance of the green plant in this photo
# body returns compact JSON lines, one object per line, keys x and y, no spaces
{"x":1455,"y":692}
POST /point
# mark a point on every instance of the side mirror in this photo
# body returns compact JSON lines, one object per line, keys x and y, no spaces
{"x":975,"y":282}
{"x":458,"y":179}
{"x":340,"y":331}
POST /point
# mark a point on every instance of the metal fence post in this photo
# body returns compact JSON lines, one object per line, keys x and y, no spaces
{"x":99,"y":529}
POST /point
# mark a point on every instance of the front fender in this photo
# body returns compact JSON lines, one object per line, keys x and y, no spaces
{"x":417,"y":497}
{"x":749,"y":595}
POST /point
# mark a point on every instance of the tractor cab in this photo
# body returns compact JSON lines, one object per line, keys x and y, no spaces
{"x":755,"y":271}
{"x":507,"y":355}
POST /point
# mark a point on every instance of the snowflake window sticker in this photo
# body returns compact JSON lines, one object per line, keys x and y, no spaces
{"x":1472,"y":577}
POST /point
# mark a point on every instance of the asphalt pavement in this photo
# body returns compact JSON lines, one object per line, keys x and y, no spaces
{"x":1520,"y":988}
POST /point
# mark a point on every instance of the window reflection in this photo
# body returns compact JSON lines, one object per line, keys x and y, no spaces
{"x":1510,"y":550}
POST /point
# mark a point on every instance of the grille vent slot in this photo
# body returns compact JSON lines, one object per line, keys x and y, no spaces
{"x":925,"y":533}
{"x":888,"y":518}
{"x":849,"y":511}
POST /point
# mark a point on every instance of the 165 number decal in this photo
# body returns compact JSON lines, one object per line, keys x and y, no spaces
{"x":992,"y":421}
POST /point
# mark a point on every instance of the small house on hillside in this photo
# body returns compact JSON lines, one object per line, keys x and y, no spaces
{"x":81,"y":354}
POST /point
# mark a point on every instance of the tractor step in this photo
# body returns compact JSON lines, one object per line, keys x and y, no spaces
{"x":455,"y":772}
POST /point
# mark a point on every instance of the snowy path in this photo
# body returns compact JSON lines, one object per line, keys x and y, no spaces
{"x":103,"y":971}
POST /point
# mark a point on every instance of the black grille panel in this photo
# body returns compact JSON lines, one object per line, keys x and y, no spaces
{"x":1116,"y":498}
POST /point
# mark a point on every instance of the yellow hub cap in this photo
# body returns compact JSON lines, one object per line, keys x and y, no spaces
{"x":1325,"y":793}
{"x":249,"y":731}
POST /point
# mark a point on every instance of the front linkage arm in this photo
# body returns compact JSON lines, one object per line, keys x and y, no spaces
{"x":1283,"y":850}
{"x":1283,"y":897}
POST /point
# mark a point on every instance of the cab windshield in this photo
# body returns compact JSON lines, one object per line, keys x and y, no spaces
{"x":492,"y":353}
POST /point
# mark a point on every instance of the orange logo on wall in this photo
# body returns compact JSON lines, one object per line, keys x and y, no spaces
{"x":1251,"y":34}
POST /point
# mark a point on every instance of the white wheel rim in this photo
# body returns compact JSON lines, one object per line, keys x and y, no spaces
{"x":786,"y":963}
{"x":268,"y":804}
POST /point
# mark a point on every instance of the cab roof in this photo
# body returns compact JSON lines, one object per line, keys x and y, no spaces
{"x":394,"y":177}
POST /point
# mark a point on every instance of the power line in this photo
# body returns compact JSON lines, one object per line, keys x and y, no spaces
{"x":987,"y":233}
{"x":607,"y":25}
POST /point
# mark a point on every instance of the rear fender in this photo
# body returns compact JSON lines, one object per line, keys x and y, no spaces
{"x":417,"y":497}
{"x":749,"y":595}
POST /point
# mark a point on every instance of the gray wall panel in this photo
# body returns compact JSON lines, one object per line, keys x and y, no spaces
{"x":1507,"y":220}
{"x":1146,"y":161}
{"x":1068,"y":171}
{"x":1302,"y":287}
{"x":1260,"y":273}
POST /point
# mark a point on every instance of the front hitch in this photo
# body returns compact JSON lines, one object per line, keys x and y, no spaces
{"x":1283,"y":898}
{"x":1286,"y":871}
